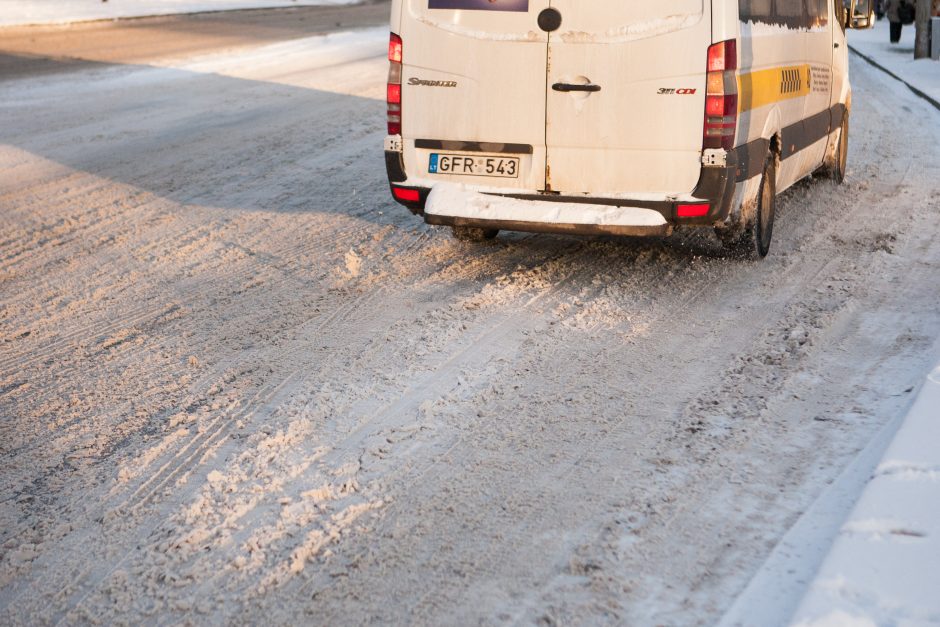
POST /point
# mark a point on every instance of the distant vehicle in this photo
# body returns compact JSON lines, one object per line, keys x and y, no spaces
{"x":612,"y":116}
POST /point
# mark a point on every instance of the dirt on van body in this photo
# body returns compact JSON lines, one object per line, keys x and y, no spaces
{"x":238,"y":384}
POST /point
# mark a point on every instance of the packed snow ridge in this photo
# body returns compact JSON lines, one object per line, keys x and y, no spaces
{"x":23,"y":12}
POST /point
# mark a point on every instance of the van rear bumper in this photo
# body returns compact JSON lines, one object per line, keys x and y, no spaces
{"x":716,"y":186}
{"x":552,"y":227}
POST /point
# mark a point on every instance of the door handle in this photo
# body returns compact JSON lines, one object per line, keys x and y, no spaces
{"x":835,"y":45}
{"x":572,"y":87}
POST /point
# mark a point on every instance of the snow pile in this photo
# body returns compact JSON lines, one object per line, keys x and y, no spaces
{"x":336,"y":63}
{"x":21,"y":12}
{"x":884,"y":566}
{"x":923,"y":74}
{"x":457,"y":202}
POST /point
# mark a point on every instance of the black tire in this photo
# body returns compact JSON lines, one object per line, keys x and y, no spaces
{"x":753,"y":242}
{"x":837,"y":169}
{"x":834,"y":167}
{"x":474,"y":234}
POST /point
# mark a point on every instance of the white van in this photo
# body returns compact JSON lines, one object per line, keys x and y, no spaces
{"x":628,"y":117}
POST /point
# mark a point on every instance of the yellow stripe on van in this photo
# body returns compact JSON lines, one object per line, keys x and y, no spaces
{"x":764,"y":87}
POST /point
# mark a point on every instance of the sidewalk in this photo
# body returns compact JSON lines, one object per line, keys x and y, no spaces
{"x":898,"y":59}
{"x":884,"y":566}
{"x":27,"y":12}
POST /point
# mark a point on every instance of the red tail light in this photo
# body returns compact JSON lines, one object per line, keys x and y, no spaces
{"x":721,"y":96}
{"x":692,"y":211}
{"x":394,"y":48}
{"x":393,"y":93}
{"x":723,"y":56}
{"x":406,"y":195}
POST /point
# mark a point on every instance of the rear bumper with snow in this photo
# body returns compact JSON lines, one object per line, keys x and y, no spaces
{"x":716,"y":186}
{"x":551,"y":227}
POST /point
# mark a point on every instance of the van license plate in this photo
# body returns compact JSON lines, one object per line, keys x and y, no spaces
{"x":473,"y":165}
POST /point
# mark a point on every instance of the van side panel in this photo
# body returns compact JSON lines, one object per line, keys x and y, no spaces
{"x":771,"y":92}
{"x":841,"y":89}
{"x":819,"y":51}
{"x":785,"y":81}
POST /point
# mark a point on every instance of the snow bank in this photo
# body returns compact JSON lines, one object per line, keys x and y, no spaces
{"x":336,"y":62}
{"x":778,"y":588}
{"x":885,"y":564}
{"x":458,"y":202}
{"x":21,"y":12}
{"x":923,"y":74}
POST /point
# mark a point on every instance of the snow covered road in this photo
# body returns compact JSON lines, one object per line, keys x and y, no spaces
{"x":238,"y":383}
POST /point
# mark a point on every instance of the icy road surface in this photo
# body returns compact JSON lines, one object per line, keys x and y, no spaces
{"x":239,"y":384}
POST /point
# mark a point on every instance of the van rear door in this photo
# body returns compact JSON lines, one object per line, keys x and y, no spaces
{"x":473,"y":82}
{"x":642,"y":130}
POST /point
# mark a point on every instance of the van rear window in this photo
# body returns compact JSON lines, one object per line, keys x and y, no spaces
{"x":788,"y":13}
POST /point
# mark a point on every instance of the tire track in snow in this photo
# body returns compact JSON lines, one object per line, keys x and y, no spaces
{"x":349,"y":450}
{"x":552,"y":350}
{"x":502,"y":339}
{"x":215,"y":432}
{"x":813,"y":269}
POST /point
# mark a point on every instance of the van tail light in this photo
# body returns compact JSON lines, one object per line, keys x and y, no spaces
{"x":393,"y":91}
{"x":721,"y":95}
{"x":403,"y":194}
{"x":696,"y":210}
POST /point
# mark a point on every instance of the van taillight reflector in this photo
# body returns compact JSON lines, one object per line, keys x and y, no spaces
{"x":721,"y":105}
{"x":697,"y":210}
{"x":406,"y":195}
{"x":721,"y":96}
{"x":394,"y":48}
{"x":723,"y":56}
{"x":393,"y":91}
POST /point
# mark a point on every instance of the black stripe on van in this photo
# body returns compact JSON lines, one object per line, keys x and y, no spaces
{"x":796,"y":137}
{"x":462,"y":146}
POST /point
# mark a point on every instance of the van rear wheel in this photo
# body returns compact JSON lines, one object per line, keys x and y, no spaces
{"x":837,"y":172}
{"x":474,"y":234}
{"x":754,"y":241}
{"x":835,"y":168}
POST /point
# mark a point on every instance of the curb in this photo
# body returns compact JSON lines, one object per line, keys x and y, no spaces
{"x":776,"y":590}
{"x":884,"y":564}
